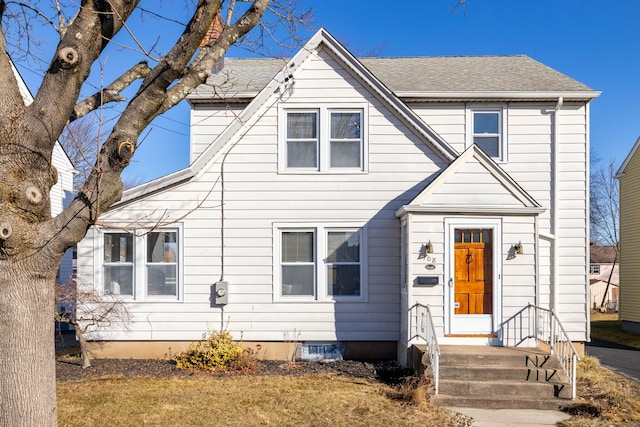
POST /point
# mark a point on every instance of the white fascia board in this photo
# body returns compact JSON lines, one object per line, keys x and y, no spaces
{"x":211,"y":98}
{"x":450,"y":95}
{"x":620,"y":173}
{"x":154,"y":186}
{"x":453,"y":209}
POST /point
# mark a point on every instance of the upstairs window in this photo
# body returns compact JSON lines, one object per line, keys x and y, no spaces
{"x":302,"y":139}
{"x":345,"y":144}
{"x":487,"y":131}
{"x":323,"y":139}
{"x":594,"y":268}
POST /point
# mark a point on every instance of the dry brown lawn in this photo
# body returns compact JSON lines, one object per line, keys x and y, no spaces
{"x":319,"y":400}
{"x":608,"y":399}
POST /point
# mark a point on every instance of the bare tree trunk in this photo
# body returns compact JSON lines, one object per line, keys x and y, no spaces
{"x":606,"y":291}
{"x":31,"y":340}
{"x":84,"y":351}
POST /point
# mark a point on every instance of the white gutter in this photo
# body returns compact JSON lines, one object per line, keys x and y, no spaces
{"x":554,"y":210}
{"x":515,"y":95}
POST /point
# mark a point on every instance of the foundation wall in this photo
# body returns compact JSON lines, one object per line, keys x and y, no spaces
{"x":263,"y":350}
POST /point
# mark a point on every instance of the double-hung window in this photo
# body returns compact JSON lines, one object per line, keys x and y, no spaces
{"x":594,"y":268}
{"x":322,"y":262}
{"x":162,"y":263}
{"x":298,"y":263}
{"x":118,"y":263}
{"x":487,"y":131}
{"x":302,"y":139}
{"x":323,"y":139}
{"x":143,"y":265}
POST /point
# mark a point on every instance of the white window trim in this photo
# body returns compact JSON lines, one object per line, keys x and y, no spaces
{"x":324,"y":129}
{"x":502,"y":111}
{"x":139,"y":264}
{"x":321,"y":291}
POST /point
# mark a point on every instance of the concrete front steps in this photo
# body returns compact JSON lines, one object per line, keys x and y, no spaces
{"x":500,"y":378}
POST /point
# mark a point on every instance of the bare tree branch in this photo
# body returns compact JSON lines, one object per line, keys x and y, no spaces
{"x":111,"y":93}
{"x":71,"y":65}
{"x":604,"y":206}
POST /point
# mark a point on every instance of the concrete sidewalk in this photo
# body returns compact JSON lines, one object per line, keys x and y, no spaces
{"x":512,"y":417}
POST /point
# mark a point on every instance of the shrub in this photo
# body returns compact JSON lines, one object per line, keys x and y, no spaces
{"x":218,"y":352}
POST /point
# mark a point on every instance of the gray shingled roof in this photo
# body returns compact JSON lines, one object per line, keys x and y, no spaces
{"x":470,"y":74}
{"x":413,"y":74}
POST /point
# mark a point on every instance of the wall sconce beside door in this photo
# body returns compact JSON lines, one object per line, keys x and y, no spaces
{"x":514,"y":250}
{"x":518,"y":248}
{"x":429,"y":247}
{"x":426,"y":248}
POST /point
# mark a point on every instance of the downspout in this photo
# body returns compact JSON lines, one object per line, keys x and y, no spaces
{"x":587,"y":220}
{"x":554,"y":209}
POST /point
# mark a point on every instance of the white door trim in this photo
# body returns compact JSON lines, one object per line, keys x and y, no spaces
{"x":451,"y":224}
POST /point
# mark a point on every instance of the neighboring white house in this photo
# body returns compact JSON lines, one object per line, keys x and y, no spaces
{"x":61,"y":192}
{"x":604,"y":277}
{"x":327,"y":195}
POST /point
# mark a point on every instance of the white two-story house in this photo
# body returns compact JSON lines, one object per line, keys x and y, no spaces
{"x":327,"y":195}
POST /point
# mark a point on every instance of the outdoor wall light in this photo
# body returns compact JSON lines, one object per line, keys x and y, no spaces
{"x":518,"y":248}
{"x":429,"y":247}
{"x":425,"y":248}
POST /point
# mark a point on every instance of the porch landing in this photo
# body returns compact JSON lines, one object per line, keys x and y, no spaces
{"x":497,"y":377}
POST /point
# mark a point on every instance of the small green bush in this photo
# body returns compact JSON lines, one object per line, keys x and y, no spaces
{"x":217,"y":353}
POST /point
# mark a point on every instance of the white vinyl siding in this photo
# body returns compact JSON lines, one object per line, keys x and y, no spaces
{"x":207,"y":122}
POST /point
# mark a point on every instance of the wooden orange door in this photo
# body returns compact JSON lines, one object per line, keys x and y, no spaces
{"x":473,"y":275}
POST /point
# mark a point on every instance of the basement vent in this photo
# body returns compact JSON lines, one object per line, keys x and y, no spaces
{"x":320,"y":352}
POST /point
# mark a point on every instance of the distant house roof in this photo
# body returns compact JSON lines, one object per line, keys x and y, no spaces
{"x":445,"y":77}
{"x":602,"y":254}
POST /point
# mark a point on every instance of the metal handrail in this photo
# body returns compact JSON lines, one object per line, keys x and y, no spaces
{"x":542,"y":325}
{"x":422,"y":327}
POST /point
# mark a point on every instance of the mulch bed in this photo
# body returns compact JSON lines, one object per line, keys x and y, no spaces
{"x":389,"y":372}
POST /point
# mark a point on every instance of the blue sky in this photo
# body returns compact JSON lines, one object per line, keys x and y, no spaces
{"x":594,"y":41}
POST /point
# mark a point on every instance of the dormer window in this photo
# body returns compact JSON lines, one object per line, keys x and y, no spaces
{"x":486,"y":129}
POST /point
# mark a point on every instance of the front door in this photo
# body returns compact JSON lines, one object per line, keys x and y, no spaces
{"x":473,"y":282}
{"x":473,"y":270}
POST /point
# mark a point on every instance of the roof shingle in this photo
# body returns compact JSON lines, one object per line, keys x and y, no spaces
{"x":461,"y":74}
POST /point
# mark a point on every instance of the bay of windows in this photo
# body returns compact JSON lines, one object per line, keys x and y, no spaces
{"x":143,"y":266}
{"x":320,"y":263}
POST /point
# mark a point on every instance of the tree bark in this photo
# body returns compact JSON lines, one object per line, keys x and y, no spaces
{"x":27,"y":331}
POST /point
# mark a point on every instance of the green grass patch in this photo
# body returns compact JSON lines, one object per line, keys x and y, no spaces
{"x":607,"y":326}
